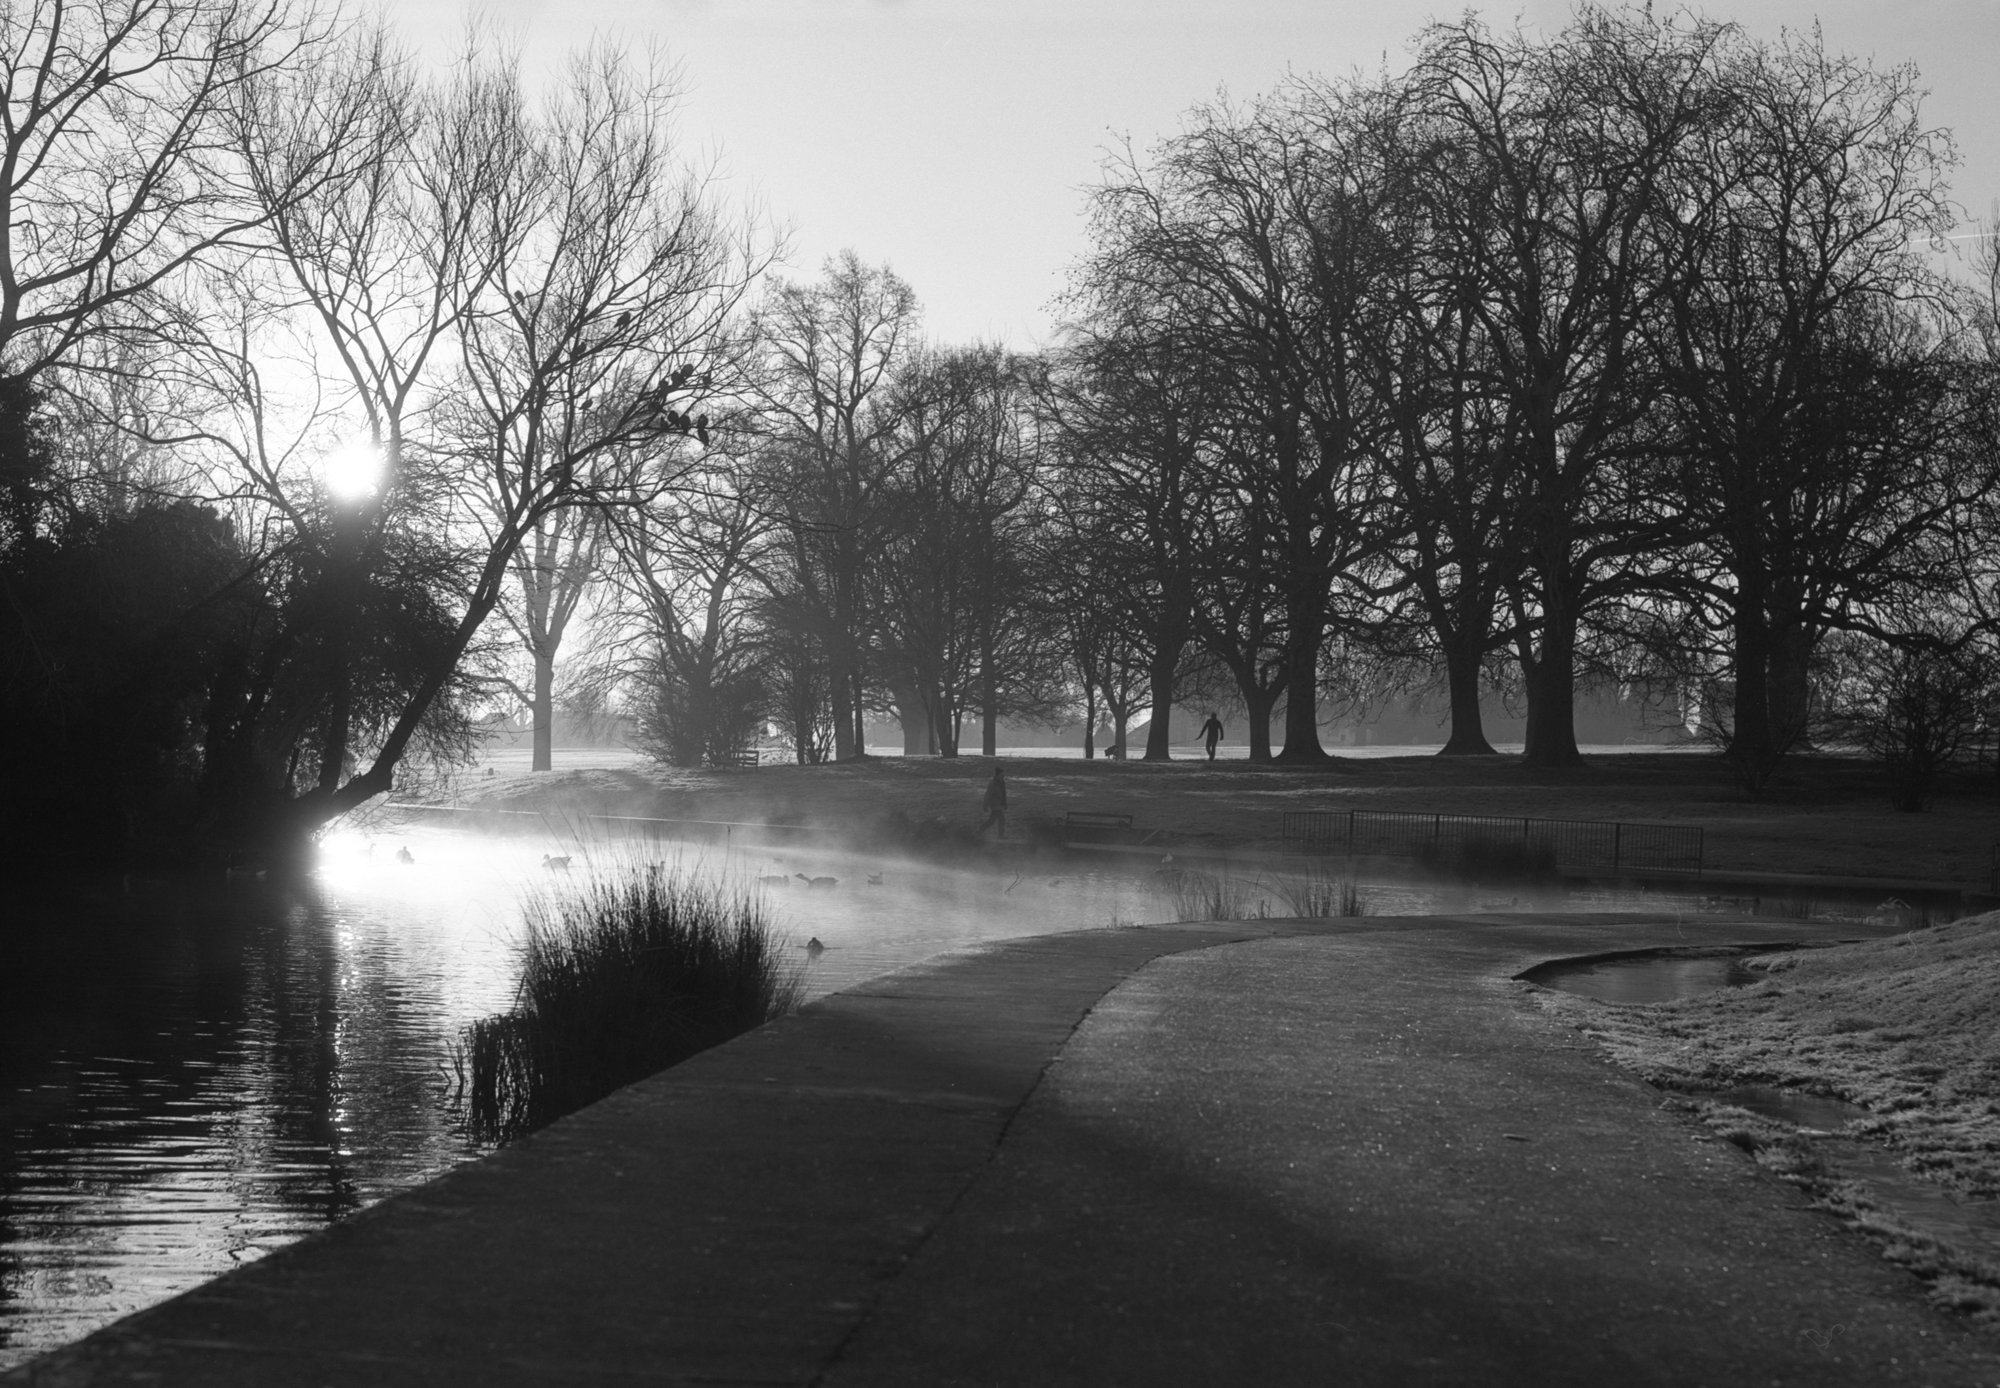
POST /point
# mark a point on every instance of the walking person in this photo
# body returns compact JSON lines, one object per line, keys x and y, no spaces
{"x":996,"y":802}
{"x":1211,"y":733}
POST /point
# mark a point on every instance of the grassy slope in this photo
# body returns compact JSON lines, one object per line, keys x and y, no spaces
{"x":1825,"y":815}
{"x":1906,"y":1026}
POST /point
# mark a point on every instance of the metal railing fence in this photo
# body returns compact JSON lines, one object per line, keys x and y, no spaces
{"x":1570,"y":843}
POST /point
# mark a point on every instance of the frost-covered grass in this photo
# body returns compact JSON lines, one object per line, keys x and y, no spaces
{"x":1907,"y":1027}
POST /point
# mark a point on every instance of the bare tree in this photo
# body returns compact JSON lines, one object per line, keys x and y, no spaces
{"x":384,"y":258}
{"x":119,"y":158}
{"x":1261,"y":234}
{"x":517,"y":299}
{"x":1792,"y":216}
{"x":687,"y":641}
{"x":1448,"y":437}
{"x":613,"y":301}
{"x":958,"y":621}
{"x":1918,"y":699}
{"x":1132,"y":414}
{"x":1559,"y":149}
{"x":837,"y":434}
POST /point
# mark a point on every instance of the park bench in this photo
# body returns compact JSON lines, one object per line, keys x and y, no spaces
{"x":1096,"y":826}
{"x":1096,"y":819}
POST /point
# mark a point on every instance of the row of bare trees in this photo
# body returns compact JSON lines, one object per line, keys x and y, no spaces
{"x":1626,"y":350}
{"x":861,"y":541}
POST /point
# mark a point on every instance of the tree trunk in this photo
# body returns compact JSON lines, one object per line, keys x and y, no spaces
{"x":1551,"y":681}
{"x":1159,"y":732}
{"x":944,"y":726}
{"x":1791,"y":684}
{"x":912,"y":717}
{"x":1089,"y":722}
{"x":843,"y":717}
{"x":1302,"y":688}
{"x":1258,"y":705}
{"x":1468,"y":729}
{"x":1752,"y":743}
{"x":345,"y":582}
{"x":989,"y":707}
{"x":542,"y":711}
{"x":333,"y":749}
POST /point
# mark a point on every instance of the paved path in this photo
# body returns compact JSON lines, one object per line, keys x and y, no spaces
{"x":1345,"y":1153}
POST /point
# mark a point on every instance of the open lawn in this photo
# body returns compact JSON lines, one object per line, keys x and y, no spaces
{"x":1823,"y":815}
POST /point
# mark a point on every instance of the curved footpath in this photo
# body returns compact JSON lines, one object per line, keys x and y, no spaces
{"x":1317,"y":1153}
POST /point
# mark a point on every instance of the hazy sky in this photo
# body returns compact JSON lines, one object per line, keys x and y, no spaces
{"x":953,"y":138}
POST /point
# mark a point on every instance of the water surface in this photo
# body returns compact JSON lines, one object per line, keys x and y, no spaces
{"x":1646,"y":977}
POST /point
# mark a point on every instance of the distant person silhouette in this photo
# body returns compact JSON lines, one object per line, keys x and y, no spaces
{"x":1211,"y":733}
{"x":996,"y":802}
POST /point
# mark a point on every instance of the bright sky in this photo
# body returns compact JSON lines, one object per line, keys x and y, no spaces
{"x":953,"y":138}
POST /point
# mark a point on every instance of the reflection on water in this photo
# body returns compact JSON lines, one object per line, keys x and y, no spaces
{"x":1646,"y":978}
{"x":190,"y":1077}
{"x":1816,"y":1112}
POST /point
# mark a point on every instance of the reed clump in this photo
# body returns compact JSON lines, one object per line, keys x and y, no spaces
{"x":631,"y":971}
{"x":1206,"y":896}
{"x":1320,"y":894}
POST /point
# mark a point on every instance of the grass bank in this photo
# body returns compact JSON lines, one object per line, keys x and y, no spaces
{"x":1905,"y":1027}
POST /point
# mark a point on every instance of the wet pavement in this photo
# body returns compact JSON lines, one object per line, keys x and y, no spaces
{"x":1272,"y":1153}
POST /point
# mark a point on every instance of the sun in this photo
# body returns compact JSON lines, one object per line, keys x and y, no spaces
{"x":353,"y":471}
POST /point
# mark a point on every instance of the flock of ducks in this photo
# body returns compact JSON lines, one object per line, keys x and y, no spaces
{"x":780,"y":880}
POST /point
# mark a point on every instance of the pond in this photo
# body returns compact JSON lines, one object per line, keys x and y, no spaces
{"x":191,"y":1076}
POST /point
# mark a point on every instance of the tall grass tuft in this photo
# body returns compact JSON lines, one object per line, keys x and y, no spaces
{"x":1319,"y":894}
{"x":630,"y":972}
{"x":1208,"y":896}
